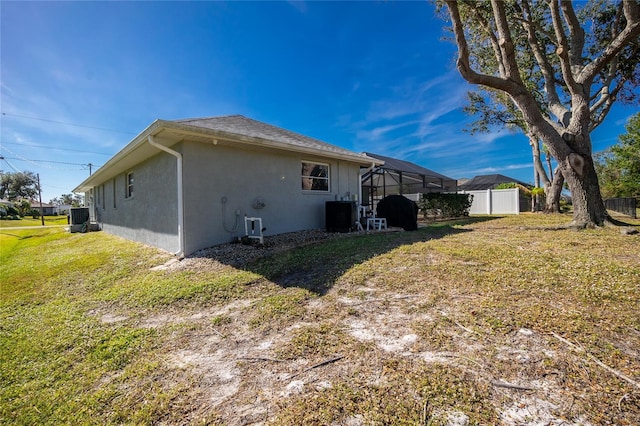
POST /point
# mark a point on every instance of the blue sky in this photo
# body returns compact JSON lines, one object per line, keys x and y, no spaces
{"x":367,"y":76}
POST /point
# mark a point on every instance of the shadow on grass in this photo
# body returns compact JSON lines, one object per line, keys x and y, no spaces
{"x":316,"y":267}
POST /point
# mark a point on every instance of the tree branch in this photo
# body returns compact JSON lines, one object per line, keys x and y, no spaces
{"x":631,"y":11}
{"x":553,"y":101}
{"x":463,"y":63}
{"x":563,"y":50}
{"x":507,"y":52}
{"x":577,"y":36}
{"x":492,"y":37}
{"x":598,"y":117}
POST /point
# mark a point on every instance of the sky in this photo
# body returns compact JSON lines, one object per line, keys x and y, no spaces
{"x":79,"y":80}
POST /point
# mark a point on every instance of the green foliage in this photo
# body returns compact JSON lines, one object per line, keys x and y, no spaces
{"x":24,"y":208}
{"x":445,"y":205}
{"x":526,"y":191}
{"x":537,"y":191}
{"x":74,"y":200}
{"x":18,"y":185}
{"x":507,"y":185}
{"x":619,"y":166}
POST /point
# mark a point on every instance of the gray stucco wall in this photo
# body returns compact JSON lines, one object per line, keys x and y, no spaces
{"x":243,"y":176}
{"x":150,"y":216}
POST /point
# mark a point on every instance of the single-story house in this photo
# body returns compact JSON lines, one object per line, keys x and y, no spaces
{"x":401,"y":177}
{"x":484,"y":182}
{"x":47,"y":209}
{"x":185,"y":185}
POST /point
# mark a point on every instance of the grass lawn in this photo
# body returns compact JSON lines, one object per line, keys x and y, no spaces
{"x":483,"y":321}
{"x":29,"y":221}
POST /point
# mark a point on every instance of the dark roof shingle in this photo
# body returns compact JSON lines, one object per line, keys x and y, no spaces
{"x":241,"y":125}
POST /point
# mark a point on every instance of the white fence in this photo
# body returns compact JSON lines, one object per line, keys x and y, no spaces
{"x":495,"y":201}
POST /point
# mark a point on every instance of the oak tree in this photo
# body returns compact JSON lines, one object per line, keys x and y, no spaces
{"x":587,"y":58}
{"x":18,"y":185}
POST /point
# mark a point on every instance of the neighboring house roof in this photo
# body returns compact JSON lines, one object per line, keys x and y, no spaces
{"x":488,"y":182}
{"x":36,"y":204}
{"x":406,"y":167}
{"x":232,"y":130}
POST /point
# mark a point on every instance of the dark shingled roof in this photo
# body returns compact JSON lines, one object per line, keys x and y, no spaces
{"x":241,"y":125}
{"x":488,"y":182}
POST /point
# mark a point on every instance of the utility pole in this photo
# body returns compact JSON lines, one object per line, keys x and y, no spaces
{"x":40,"y":196}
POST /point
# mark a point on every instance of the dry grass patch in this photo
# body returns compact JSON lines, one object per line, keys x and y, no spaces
{"x":482,"y":321}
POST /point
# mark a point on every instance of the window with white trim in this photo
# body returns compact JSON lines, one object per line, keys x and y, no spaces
{"x":315,"y":176}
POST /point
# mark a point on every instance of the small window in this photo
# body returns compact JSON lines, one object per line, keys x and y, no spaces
{"x":129,"y":185}
{"x":114,"y":193}
{"x":102,"y":190}
{"x":315,"y":176}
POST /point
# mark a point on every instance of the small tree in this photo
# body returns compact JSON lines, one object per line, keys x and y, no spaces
{"x":619,"y":166}
{"x":73,"y":200}
{"x":24,"y":208}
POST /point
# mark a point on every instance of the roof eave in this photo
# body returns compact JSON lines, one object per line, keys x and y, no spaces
{"x":263,"y":142}
{"x":102,"y":173}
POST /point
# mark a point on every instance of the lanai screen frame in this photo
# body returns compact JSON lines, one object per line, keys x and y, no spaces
{"x":401,"y":177}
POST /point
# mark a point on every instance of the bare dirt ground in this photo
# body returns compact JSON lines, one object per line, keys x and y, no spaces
{"x":245,"y":373}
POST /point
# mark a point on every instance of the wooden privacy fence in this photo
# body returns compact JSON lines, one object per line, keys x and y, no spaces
{"x":625,"y":206}
{"x":495,"y":201}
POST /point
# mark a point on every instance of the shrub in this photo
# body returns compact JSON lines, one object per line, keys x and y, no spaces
{"x":445,"y":205}
{"x":12,"y":211}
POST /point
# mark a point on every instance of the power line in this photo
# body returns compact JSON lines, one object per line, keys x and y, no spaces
{"x":48,"y":161}
{"x":52,"y":147}
{"x":68,"y":124}
{"x":10,"y":165}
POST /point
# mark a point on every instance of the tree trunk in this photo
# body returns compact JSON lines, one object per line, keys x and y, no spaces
{"x":553,"y":191}
{"x":548,"y":158}
{"x":581,"y":177}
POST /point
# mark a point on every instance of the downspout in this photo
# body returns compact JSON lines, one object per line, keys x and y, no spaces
{"x":178,"y":156}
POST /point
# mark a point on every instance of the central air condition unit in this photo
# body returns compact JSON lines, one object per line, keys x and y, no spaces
{"x":341,"y":216}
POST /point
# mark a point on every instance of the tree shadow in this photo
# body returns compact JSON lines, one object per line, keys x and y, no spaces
{"x":316,"y":267}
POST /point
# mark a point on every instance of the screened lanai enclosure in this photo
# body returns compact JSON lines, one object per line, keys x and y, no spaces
{"x":402,"y":178}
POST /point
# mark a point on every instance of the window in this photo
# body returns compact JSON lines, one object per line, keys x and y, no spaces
{"x":102,"y":188}
{"x":114,"y":193}
{"x":315,"y":176}
{"x":129,"y":185}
